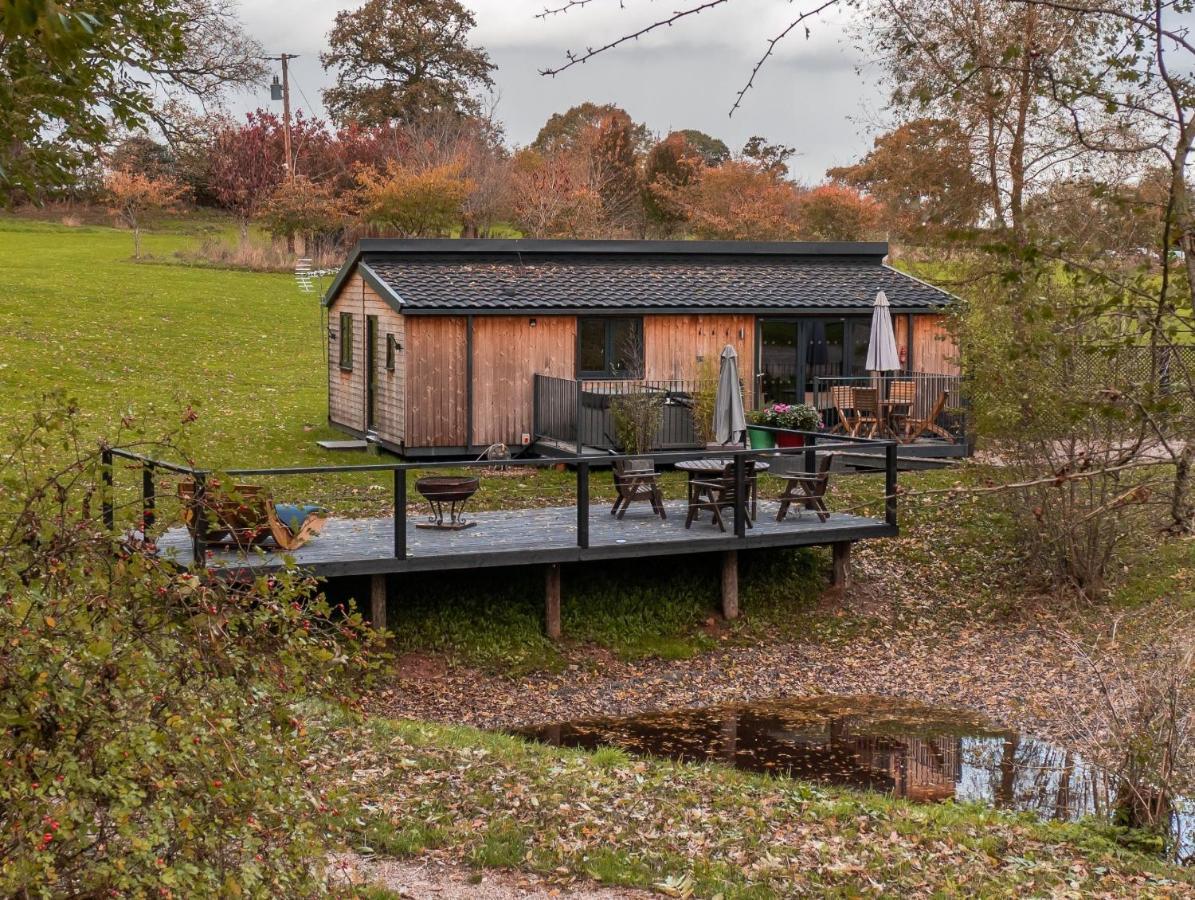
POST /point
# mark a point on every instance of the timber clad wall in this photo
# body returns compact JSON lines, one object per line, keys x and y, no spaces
{"x":436,"y":378}
{"x":934,"y":349}
{"x":507,"y":353}
{"x":671,"y":344}
{"x":346,"y":390}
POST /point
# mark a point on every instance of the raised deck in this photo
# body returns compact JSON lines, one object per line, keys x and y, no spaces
{"x":528,"y":537}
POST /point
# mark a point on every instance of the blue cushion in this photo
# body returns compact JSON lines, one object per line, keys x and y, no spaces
{"x":293,"y":515}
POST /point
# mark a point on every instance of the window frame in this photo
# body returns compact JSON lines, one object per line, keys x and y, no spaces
{"x":346,"y":342}
{"x":609,"y":351}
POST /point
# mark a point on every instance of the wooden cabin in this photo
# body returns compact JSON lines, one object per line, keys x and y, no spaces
{"x":434,"y":345}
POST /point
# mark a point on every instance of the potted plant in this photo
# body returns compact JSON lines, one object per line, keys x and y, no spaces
{"x":796,"y":416}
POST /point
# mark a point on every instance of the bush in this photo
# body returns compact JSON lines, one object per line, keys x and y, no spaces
{"x":156,"y":724}
{"x":637,"y":419}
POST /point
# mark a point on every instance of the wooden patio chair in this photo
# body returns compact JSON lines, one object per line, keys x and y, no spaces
{"x":842,"y":398}
{"x":866,"y":404}
{"x":902,"y":400}
{"x":247,"y":515}
{"x":919,"y":426}
{"x":718,"y":493}
{"x":807,"y":490}
{"x":636,"y":480}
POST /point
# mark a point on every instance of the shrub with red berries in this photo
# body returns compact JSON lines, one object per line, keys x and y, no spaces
{"x":156,"y":723}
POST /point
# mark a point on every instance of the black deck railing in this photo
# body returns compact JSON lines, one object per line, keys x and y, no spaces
{"x":559,"y":404}
{"x":814,"y":443}
{"x":928,"y":388}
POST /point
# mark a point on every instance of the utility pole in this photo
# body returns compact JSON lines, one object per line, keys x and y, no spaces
{"x":282,"y":92}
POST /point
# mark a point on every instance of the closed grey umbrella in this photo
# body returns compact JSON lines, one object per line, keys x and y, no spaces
{"x":882,"y":355}
{"x":730,"y":422}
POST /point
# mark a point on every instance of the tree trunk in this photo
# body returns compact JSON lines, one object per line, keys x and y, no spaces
{"x":136,"y":242}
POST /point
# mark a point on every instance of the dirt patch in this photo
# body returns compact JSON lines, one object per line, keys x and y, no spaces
{"x":1020,"y":675}
{"x":431,"y":877}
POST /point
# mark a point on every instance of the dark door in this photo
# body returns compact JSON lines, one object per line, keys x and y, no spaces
{"x":779,"y":360}
{"x":371,"y":364}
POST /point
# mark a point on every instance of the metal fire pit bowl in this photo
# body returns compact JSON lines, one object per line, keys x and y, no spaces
{"x":447,"y":490}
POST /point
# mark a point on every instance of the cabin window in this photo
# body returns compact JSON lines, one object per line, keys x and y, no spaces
{"x":609,"y":347}
{"x":346,"y":341}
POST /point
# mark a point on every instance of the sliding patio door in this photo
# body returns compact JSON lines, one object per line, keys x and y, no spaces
{"x":793,"y":352}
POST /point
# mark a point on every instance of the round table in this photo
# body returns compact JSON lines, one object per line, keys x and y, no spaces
{"x":718,"y":464}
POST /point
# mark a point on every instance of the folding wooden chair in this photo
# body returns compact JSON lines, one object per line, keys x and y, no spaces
{"x":918,"y":427}
{"x":807,"y":490}
{"x":718,"y":493}
{"x":866,"y":403}
{"x":635,"y":479}
{"x":902,"y":399}
{"x":841,"y":399}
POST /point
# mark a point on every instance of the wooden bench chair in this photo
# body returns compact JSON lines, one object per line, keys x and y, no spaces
{"x":902,"y":400}
{"x":866,"y":404}
{"x":246,"y":516}
{"x":636,"y":480}
{"x":718,"y":493}
{"x":807,"y":490}
{"x":919,"y":426}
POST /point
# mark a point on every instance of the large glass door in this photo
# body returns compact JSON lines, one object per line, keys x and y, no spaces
{"x":795,"y":352}
{"x":779,"y":360}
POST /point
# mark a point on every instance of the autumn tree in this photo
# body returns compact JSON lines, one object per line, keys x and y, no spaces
{"x":135,"y":197}
{"x":771,"y":158}
{"x":246,"y":167}
{"x":671,"y":165}
{"x":412,"y":202}
{"x":302,"y":207}
{"x":712,"y":150}
{"x":922,"y":173}
{"x":738,"y":200}
{"x":400,"y":60}
{"x":141,"y":153}
{"x":836,"y":212}
{"x":551,"y":197}
{"x":569,"y":130}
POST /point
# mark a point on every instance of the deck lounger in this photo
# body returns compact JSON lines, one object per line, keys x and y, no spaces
{"x":246,"y":516}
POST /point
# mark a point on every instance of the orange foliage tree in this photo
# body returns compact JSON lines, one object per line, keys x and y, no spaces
{"x":836,"y":212}
{"x":551,"y":196}
{"x":738,"y":200}
{"x":133,"y":198}
{"x":413,"y":202}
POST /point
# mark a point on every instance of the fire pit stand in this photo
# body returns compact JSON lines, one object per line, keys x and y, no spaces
{"x":446,"y":490}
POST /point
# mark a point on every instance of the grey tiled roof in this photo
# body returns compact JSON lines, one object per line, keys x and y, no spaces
{"x":609,"y":282}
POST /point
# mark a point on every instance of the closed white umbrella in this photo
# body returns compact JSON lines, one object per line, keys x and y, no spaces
{"x":729,"y":419}
{"x":882,"y":355}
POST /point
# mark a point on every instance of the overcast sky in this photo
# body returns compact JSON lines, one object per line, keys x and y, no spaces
{"x":817,"y":94}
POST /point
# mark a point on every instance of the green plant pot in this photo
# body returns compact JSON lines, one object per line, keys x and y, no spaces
{"x":760,"y":439}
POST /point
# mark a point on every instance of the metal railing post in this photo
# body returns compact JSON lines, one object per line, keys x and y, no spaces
{"x":199,"y":517}
{"x":106,"y":507}
{"x":577,"y":386}
{"x":740,"y":496}
{"x":890,"y":484}
{"x":810,"y":454}
{"x":148,"y":497}
{"x":583,"y":504}
{"x":400,"y":513}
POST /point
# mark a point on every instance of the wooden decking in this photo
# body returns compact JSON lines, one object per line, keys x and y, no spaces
{"x":529,"y":537}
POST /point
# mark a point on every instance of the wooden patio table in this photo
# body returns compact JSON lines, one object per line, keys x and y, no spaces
{"x":698,"y":467}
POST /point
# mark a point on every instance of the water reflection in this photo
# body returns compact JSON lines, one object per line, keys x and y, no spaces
{"x":907,"y":749}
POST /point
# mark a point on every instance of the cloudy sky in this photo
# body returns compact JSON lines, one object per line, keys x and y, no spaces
{"x":817,"y":94}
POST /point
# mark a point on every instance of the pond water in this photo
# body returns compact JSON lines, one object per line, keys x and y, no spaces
{"x":903,"y":748}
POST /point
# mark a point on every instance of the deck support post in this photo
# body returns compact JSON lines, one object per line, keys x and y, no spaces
{"x":377,"y":601}
{"x":552,"y":601}
{"x":730,"y":584}
{"x":840,"y":575}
